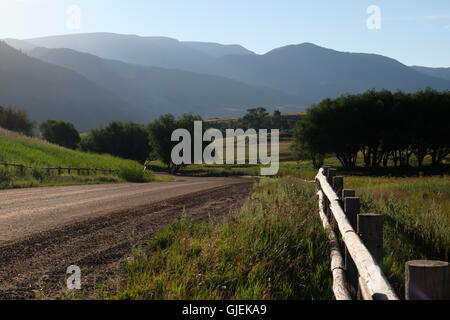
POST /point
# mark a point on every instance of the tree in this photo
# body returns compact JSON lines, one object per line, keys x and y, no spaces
{"x":160,"y":134}
{"x":255,"y":119}
{"x":277,"y":121}
{"x":61,"y":133}
{"x":16,"y":120}
{"x":122,"y":139}
{"x":381,"y":125}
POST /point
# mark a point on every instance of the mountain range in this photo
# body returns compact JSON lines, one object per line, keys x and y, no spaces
{"x":138,"y":78}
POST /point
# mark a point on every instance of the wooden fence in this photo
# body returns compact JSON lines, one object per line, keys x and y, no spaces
{"x":60,"y":170}
{"x":356,"y":242}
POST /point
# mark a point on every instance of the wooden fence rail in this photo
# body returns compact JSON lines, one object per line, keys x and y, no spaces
{"x":356,"y":270}
{"x":60,"y":170}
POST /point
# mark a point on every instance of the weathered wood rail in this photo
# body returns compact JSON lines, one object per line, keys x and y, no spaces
{"x":22,"y":169}
{"x":356,"y":255}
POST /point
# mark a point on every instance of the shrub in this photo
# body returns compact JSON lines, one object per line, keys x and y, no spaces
{"x":136,"y":175}
{"x":5,"y":177}
{"x":16,"y":120}
{"x":122,"y":139}
{"x":60,"y":133}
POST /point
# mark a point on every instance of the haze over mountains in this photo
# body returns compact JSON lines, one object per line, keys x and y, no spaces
{"x":149,"y":76}
{"x":48,"y":91}
{"x":443,"y":73}
{"x":166,"y":90}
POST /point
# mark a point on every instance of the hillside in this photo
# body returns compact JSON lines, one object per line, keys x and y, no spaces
{"x":150,"y":51}
{"x":218,"y":50}
{"x":316,"y":73}
{"x":48,"y":91}
{"x":159,"y":90}
{"x":443,"y":73}
{"x":304,"y":70}
{"x":16,"y":148}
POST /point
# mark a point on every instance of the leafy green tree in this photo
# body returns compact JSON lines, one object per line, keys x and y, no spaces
{"x":16,"y":120}
{"x":256,"y":119}
{"x":61,"y":133}
{"x":122,"y":139}
{"x":385,"y":127}
{"x":160,"y":134}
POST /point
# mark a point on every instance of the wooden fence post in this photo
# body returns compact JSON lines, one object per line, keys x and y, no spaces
{"x":325,"y":170}
{"x":370,"y":229}
{"x":338,"y":186}
{"x":347,"y":193}
{"x":351,"y":210}
{"x":331,"y":173}
{"x":427,"y":280}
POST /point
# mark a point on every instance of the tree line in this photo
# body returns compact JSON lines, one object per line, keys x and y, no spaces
{"x":387,"y":129}
{"x":258,"y":118}
{"x":384,"y":128}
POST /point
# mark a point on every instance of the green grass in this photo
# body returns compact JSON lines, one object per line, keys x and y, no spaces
{"x":273,"y":248}
{"x":15,"y":148}
{"x":417,"y":227}
{"x":417,"y":218}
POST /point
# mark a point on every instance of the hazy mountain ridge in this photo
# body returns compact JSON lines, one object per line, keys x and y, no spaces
{"x":315,"y":73}
{"x":162,"y":90}
{"x":443,"y":73}
{"x":149,"y":76}
{"x":218,"y":50}
{"x":305,"y":70}
{"x":161,"y":52}
{"x":48,"y":91}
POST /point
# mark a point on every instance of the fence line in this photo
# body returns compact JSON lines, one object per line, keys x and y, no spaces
{"x":23,"y":168}
{"x":337,"y":262}
{"x":358,"y":274}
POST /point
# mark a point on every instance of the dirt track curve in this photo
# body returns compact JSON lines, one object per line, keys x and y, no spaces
{"x":44,"y":230}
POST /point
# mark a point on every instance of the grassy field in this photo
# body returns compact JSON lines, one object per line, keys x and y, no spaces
{"x":417,"y":214}
{"x":279,"y":230}
{"x":15,"y":148}
{"x":273,"y":248}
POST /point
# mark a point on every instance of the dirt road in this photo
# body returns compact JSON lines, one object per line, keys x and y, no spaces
{"x":44,"y":230}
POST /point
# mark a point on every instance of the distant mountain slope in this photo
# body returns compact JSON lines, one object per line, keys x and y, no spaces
{"x":20,"y":45}
{"x":166,"y":90}
{"x":218,"y":50}
{"x":149,"y":51}
{"x":314,"y":72}
{"x":443,"y":73}
{"x":305,"y":70}
{"x":47,"y":91}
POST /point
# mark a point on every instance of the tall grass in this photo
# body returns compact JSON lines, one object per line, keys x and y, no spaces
{"x":273,"y":248}
{"x":417,"y":214}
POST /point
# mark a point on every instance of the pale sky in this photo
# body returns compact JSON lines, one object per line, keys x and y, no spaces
{"x":413,"y":32}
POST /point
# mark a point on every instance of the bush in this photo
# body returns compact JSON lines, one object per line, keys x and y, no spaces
{"x":161,"y":143}
{"x":6,"y":177}
{"x":122,"y":139}
{"x":136,"y":175}
{"x":16,"y":120}
{"x":60,"y":133}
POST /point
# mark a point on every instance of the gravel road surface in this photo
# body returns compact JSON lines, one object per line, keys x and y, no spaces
{"x":44,"y":230}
